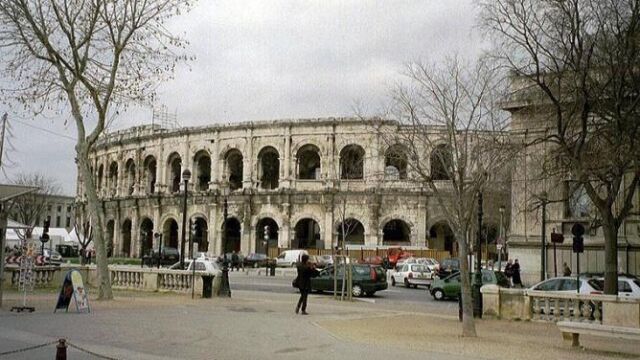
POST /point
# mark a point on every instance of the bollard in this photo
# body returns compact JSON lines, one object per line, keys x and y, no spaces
{"x":460,"y":312}
{"x":61,"y":350}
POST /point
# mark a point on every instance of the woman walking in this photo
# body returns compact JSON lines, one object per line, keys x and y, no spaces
{"x":305,"y":272}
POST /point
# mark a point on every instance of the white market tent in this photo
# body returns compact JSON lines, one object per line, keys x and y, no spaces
{"x":57,"y":236}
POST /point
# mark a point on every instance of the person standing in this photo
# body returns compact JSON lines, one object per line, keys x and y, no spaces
{"x":234,"y":261}
{"x":306,"y":271}
{"x":515,"y":269}
{"x":508,"y":271}
{"x":566,"y":270}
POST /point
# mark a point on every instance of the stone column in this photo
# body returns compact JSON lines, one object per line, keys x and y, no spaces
{"x":247,"y":161}
{"x":214,"y":226}
{"x":284,"y":234}
{"x":421,"y":222}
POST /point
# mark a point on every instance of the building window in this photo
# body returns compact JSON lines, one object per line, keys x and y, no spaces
{"x":68,"y":222}
{"x":57,"y":221}
{"x":49,"y":208}
{"x":578,"y":203}
{"x":68,"y":209}
{"x":59,"y":208}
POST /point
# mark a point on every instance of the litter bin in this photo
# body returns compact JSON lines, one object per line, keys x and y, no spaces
{"x":207,"y":286}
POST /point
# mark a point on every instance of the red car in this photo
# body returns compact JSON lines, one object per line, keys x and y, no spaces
{"x":373,"y":260}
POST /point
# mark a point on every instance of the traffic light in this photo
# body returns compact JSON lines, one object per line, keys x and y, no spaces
{"x":578,"y":244}
{"x":45,"y":227}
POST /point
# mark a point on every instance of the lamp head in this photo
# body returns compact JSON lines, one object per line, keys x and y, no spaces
{"x":186,"y":175}
{"x":502,"y":208}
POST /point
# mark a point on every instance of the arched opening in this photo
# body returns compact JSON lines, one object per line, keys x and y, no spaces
{"x":441,"y":163}
{"x":308,"y":163}
{"x":125,"y":250}
{"x":150,"y":167}
{"x":234,"y":169}
{"x":146,"y":236}
{"x":232,"y":235}
{"x":307,"y":235}
{"x":175,"y":166}
{"x":113,"y":178}
{"x":350,"y":232}
{"x":110,"y":237}
{"x":130,"y":167}
{"x":396,"y":157}
{"x":100,"y":177}
{"x":269,"y":168}
{"x":201,"y":234}
{"x":352,"y":162}
{"x":396,"y":232}
{"x":442,"y":237}
{"x":202,"y":167}
{"x":170,"y":233}
{"x":266,"y":230}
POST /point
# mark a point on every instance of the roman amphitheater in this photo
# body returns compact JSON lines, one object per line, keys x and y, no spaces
{"x":278,"y":184}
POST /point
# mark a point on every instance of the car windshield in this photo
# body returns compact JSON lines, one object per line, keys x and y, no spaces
{"x":419,"y":268}
{"x":361,"y":270}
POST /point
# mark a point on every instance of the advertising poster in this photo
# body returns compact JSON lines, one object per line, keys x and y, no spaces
{"x":73,"y":287}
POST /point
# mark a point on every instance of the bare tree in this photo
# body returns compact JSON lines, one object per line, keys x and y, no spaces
{"x":457,"y":145}
{"x":88,"y":56}
{"x":576,"y":63}
{"x":84,"y":232}
{"x":29,"y":209}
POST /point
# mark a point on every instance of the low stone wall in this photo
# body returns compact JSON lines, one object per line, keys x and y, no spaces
{"x":122,"y":277}
{"x":524,"y":304}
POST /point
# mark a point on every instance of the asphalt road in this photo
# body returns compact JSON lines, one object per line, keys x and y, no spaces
{"x":393,"y":297}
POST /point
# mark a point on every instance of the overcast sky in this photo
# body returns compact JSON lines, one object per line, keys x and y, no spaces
{"x":262,"y":60}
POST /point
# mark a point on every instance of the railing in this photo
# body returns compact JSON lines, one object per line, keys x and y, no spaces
{"x":569,"y":307}
{"x":42,"y":275}
{"x":130,"y":278}
{"x":175,"y":280}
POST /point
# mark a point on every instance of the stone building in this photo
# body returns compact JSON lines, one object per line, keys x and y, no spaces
{"x":290,"y":183}
{"x":568,"y":203}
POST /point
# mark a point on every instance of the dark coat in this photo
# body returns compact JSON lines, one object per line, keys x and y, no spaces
{"x":305,"y":273}
{"x":516,"y":274}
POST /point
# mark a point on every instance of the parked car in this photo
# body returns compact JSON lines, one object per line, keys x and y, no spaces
{"x":168,"y":256}
{"x":450,"y":286}
{"x":396,"y":254}
{"x":367,"y":279}
{"x":568,"y":285}
{"x":319,"y":261}
{"x":256,"y":260}
{"x":628,"y":286}
{"x":412,"y":274}
{"x":448,"y":267}
{"x":289,"y":258}
{"x":431,"y":263}
{"x":372,"y":260}
{"x":202,"y":265}
{"x":50,"y":257}
{"x":327,"y":260}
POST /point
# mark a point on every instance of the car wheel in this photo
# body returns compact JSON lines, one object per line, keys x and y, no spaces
{"x":438,"y":294}
{"x":406,"y":283}
{"x":393,"y":281}
{"x":356,"y":291}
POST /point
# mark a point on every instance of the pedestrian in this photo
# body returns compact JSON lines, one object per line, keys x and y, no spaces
{"x":566,"y":270}
{"x":508,"y":271}
{"x":517,"y":282}
{"x":306,"y":271}
{"x":234,"y":261}
{"x":89,"y":257}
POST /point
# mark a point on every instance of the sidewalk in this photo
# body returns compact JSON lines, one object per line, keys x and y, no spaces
{"x":259,"y":325}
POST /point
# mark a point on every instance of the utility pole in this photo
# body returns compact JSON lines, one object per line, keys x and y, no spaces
{"x":477,"y":284}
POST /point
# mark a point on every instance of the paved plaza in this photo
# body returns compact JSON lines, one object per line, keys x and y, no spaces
{"x":261,"y":325}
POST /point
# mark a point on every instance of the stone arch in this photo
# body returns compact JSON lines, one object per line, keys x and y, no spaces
{"x":202,"y":169}
{"x":234,"y":168}
{"x":146,"y":235}
{"x":354,"y":231}
{"x":307,"y":234}
{"x":150,"y":174}
{"x":396,"y":232}
{"x":269,"y":227}
{"x":232,"y":231}
{"x":113,"y":178}
{"x":130,"y":176}
{"x":308,"y":162}
{"x":441,"y":161}
{"x":396,"y":157}
{"x":200,"y":232}
{"x":442,"y":237}
{"x":170,"y":236}
{"x":269,"y":167}
{"x":174,"y":165}
{"x":352,"y":162}
{"x":125,"y":248}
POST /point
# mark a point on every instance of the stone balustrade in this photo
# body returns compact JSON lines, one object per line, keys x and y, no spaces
{"x":523,"y":304}
{"x":43,"y":276}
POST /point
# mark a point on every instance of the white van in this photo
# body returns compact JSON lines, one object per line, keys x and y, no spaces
{"x":289,"y":258}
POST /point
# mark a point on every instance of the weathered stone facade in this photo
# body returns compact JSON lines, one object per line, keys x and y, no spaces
{"x":301,"y":178}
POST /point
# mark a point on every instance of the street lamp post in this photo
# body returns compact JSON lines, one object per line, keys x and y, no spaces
{"x":544,"y":200}
{"x":500,"y":238}
{"x":193,"y":258}
{"x":477,"y":284}
{"x":186,"y":175}
{"x":225,"y":289}
{"x":158,"y":237}
{"x":265,"y":242}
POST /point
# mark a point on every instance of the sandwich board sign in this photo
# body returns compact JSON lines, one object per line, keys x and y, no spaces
{"x":73,"y":287}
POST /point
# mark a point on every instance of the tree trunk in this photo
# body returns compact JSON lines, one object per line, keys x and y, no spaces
{"x":468,"y":324}
{"x":95,"y":210}
{"x":610,"y":231}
